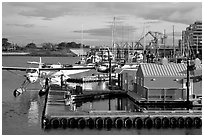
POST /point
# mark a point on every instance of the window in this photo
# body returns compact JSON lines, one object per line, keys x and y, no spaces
{"x":141,"y":81}
{"x":31,"y":70}
{"x":137,"y":80}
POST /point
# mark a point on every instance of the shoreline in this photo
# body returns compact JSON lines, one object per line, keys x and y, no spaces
{"x":37,"y":55}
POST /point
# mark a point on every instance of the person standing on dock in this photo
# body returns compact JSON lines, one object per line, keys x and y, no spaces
{"x":148,"y":57}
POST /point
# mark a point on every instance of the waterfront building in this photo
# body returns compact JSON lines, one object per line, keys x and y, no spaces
{"x":128,"y":79}
{"x":80,"y":51}
{"x":192,"y":38}
{"x":167,"y":81}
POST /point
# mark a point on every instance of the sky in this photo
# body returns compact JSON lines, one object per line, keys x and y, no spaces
{"x":91,"y":23}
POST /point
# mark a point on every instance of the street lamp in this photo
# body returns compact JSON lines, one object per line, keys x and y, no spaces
{"x":190,"y":67}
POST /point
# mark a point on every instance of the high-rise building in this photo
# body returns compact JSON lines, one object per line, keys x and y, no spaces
{"x":192,"y":38}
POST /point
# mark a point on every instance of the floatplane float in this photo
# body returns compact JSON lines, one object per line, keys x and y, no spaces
{"x":45,"y":74}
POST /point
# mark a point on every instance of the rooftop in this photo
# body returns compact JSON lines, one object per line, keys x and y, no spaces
{"x":170,"y":69}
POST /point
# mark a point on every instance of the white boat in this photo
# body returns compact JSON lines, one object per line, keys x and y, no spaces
{"x":69,"y":98}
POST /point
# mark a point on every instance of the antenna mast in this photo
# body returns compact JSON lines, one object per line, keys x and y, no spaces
{"x":164,"y":43}
{"x":113,"y":34}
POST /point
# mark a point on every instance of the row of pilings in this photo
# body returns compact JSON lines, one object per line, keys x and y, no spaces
{"x":119,"y":122}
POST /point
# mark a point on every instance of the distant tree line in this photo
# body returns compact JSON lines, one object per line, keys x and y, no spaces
{"x":7,"y":46}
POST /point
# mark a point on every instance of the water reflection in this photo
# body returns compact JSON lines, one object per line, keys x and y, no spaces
{"x":105,"y":104}
{"x":33,"y":114}
{"x":17,"y":111}
{"x":91,"y":86}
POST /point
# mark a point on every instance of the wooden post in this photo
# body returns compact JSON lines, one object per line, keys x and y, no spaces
{"x":46,"y":82}
{"x":109,"y":103}
{"x":110,"y":69}
{"x":187,"y":84}
{"x":164,"y":94}
{"x":119,"y":80}
{"x":61,"y":78}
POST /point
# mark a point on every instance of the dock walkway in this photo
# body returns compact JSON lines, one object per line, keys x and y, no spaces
{"x":57,"y":114}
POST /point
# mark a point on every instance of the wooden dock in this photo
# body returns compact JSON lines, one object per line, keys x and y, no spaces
{"x":56,"y":114}
{"x":168,"y":103}
{"x":94,"y":78}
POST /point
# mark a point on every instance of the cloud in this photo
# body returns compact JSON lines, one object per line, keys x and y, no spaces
{"x":22,"y":25}
{"x":97,"y":32}
{"x":118,"y":31}
{"x":183,"y":12}
{"x":45,"y":14}
{"x":51,"y":10}
{"x":61,"y":17}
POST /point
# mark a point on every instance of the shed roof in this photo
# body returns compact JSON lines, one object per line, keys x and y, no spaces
{"x":171,"y":69}
{"x":129,"y":71}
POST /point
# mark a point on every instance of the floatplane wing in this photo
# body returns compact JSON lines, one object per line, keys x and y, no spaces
{"x":46,"y":69}
{"x":15,"y":68}
{"x":71,"y":68}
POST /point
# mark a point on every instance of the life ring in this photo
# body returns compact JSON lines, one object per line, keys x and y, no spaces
{"x":148,"y":122}
{"x":118,"y":123}
{"x":173,"y":122}
{"x":128,"y":123}
{"x":138,"y":123}
{"x":99,"y":123}
{"x":64,"y":122}
{"x":181,"y":122}
{"x":157,"y":122}
{"x":197,"y":122}
{"x":55,"y":123}
{"x":90,"y":123}
{"x":189,"y":122}
{"x":81,"y":123}
{"x":72,"y":123}
{"x":108,"y":123}
{"x":165,"y":122}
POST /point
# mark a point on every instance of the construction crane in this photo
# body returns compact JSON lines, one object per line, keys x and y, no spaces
{"x":154,"y":42}
{"x":156,"y":36}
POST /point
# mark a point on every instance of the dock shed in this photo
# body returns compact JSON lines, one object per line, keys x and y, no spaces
{"x":128,"y":79}
{"x":167,"y":81}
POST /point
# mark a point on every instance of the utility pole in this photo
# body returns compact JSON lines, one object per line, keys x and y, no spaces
{"x":173,"y":43}
{"x":190,"y":67}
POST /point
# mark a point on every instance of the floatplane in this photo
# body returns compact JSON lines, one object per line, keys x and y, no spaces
{"x":45,"y":74}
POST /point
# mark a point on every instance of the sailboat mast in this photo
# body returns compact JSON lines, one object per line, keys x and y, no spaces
{"x":113,"y":35}
{"x":164,"y":43}
{"x":144,"y":45}
{"x":197,"y":46}
{"x":82,"y":37}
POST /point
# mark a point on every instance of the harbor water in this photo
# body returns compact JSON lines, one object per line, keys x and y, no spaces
{"x":22,"y":115}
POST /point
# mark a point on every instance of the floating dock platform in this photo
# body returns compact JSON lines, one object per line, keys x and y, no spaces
{"x":94,"y":78}
{"x":57,"y":115}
